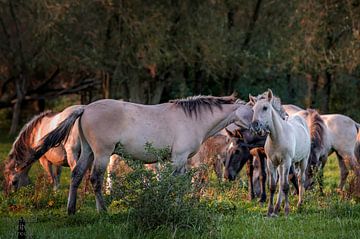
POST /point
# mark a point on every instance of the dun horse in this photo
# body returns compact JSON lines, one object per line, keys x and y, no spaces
{"x":28,"y":138}
{"x":182,"y":125}
{"x":341,"y":135}
{"x":287,"y":143}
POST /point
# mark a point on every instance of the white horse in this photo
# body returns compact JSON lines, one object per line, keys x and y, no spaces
{"x":287,"y":143}
{"x":180,"y":125}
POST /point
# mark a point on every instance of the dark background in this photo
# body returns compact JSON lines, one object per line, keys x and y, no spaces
{"x":55,"y":53}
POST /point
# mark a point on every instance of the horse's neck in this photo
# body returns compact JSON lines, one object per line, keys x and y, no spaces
{"x":276,"y":126}
{"x":219,"y":120}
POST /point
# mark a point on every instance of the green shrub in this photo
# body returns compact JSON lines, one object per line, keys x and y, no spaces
{"x":162,"y":200}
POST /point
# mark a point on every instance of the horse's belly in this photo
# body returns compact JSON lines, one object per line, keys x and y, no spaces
{"x":149,"y":151}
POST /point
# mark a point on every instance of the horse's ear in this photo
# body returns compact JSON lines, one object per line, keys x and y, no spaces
{"x":270,"y":95}
{"x":238,"y":134}
{"x":229,"y":133}
{"x":252,"y":99}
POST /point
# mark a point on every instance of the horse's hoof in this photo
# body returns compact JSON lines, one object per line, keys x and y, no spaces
{"x":270,"y":211}
{"x":251,"y":197}
{"x":262,"y":199}
{"x":277,"y":209}
{"x":71,"y":211}
{"x":286,"y":211}
{"x":273,"y":215}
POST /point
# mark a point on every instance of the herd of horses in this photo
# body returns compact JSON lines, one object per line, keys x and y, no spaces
{"x":278,"y":143}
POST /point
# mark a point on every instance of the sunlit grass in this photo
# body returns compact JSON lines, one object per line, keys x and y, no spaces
{"x":322,"y":216}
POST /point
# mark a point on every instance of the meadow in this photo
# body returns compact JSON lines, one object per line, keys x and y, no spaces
{"x":222,"y":211}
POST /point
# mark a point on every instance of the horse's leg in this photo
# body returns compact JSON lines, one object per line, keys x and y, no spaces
{"x":293,"y":179}
{"x":323,"y":160}
{"x":218,"y":166}
{"x":179,"y":162}
{"x":77,"y":174}
{"x":57,"y":175}
{"x":262,"y":177}
{"x":101,"y":162}
{"x":301,"y":180}
{"x":344,"y":172}
{"x":272,"y":181}
{"x":114,"y":160}
{"x":249,"y":172}
{"x":284,"y":187}
{"x":45,"y":163}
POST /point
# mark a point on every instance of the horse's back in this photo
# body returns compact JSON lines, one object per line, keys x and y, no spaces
{"x":342,"y":132}
{"x":291,"y":109}
{"x":132,"y":125}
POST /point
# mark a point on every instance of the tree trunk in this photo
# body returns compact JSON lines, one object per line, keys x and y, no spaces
{"x":20,"y":96}
{"x":327,"y":91}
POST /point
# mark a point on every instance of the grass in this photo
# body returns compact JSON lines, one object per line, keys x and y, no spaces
{"x":327,"y":216}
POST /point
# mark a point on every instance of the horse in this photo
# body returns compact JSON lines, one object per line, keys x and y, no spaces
{"x":287,"y":143}
{"x":342,"y":136}
{"x":211,"y":153}
{"x":180,"y":125}
{"x":28,"y":138}
{"x":248,"y":148}
{"x":239,"y":153}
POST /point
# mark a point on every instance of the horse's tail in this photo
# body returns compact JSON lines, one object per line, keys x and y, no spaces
{"x":357,"y":144}
{"x":56,"y":137}
{"x":317,"y":134}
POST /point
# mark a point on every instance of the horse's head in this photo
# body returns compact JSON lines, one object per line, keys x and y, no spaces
{"x":244,"y":114}
{"x":262,"y":117}
{"x":15,"y":178}
{"x":312,"y":167}
{"x":236,"y":155}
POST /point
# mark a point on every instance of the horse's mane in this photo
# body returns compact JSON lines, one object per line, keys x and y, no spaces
{"x":194,"y":104}
{"x":317,"y":128}
{"x":22,"y":145}
{"x":276,"y":104}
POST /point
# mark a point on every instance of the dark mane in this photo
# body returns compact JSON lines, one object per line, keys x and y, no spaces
{"x":194,"y":104}
{"x":317,"y":130}
{"x":22,"y":145}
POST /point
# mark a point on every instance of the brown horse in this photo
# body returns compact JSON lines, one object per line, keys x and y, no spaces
{"x":28,"y":138}
{"x":211,"y":153}
{"x":180,"y":125}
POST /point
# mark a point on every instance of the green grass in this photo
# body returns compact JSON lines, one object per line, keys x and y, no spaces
{"x":328,"y":216}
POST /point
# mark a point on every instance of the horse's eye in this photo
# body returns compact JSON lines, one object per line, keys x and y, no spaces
{"x":265,"y":108}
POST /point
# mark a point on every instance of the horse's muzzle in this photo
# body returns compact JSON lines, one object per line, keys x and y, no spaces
{"x":258,"y":128}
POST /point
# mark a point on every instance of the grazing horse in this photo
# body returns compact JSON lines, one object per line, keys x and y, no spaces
{"x":241,"y":151}
{"x":287,"y":143}
{"x":180,"y":125}
{"x":342,"y":136}
{"x":28,"y":138}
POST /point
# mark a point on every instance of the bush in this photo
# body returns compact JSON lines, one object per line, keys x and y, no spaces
{"x":162,"y":200}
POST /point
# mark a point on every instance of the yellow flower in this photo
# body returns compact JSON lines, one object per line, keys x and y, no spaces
{"x":51,"y":203}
